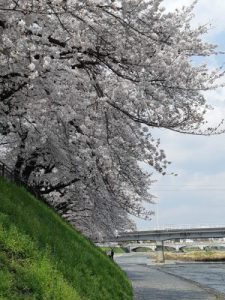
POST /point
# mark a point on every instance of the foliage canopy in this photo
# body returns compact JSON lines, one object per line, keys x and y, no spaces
{"x":82,"y":84}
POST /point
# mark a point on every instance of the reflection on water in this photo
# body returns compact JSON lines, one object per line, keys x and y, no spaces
{"x":211,"y":275}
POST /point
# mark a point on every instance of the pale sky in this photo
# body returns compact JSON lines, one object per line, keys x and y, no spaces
{"x":197,"y":195}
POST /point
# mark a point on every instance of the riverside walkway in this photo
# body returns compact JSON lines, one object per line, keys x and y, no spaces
{"x":151,"y":283}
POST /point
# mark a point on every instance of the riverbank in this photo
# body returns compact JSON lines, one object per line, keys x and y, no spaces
{"x":201,"y":256}
{"x":173,"y":281}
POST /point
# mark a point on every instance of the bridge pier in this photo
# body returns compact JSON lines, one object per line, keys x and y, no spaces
{"x":161,"y":253}
{"x":177,"y":248}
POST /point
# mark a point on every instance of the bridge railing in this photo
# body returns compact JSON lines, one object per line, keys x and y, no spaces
{"x":171,"y":229}
{"x":186,"y":226}
{"x":10,"y":175}
{"x":6,"y":172}
{"x":183,"y":226}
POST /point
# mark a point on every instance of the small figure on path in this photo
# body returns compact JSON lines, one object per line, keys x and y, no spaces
{"x":112,"y":253}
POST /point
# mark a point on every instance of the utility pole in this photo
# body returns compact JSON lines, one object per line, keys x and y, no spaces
{"x":157,"y":214}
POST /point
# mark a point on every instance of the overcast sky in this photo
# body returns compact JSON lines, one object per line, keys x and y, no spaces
{"x":197,"y":195}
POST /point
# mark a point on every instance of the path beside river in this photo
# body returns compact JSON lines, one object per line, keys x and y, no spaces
{"x":152,"y":283}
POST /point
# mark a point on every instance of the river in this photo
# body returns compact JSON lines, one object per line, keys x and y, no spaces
{"x":173,"y":280}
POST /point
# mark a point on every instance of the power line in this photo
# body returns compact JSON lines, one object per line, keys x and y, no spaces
{"x":187,"y":187}
{"x":200,"y":185}
{"x":188,"y":190}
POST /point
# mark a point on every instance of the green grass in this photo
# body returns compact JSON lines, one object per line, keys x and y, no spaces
{"x":115,"y":249}
{"x":42,"y":257}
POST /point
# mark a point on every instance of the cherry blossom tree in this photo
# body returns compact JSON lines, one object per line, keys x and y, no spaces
{"x":81,"y":85}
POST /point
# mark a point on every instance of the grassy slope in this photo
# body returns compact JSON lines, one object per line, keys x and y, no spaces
{"x":43,"y":257}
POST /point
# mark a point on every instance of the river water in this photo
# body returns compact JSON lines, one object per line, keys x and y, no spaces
{"x":210,"y":275}
{"x":185,"y":276}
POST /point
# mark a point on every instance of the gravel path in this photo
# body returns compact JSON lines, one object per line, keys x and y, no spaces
{"x":152,"y":284}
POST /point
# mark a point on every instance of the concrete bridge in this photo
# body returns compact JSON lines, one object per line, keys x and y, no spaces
{"x":175,"y":246}
{"x":171,"y":234}
{"x":165,"y":234}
